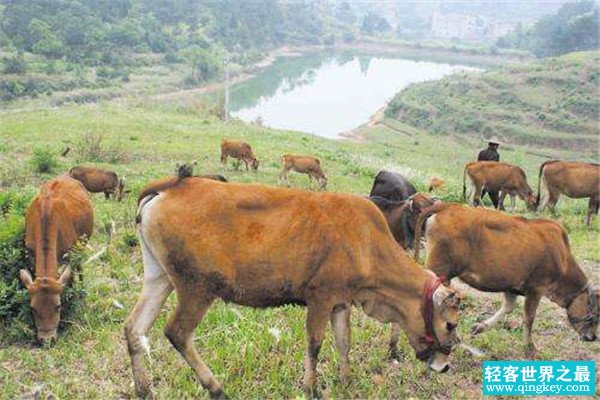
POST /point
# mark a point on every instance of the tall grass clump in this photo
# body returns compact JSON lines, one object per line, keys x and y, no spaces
{"x":92,"y":147}
{"x":16,"y":321}
{"x":44,"y":160}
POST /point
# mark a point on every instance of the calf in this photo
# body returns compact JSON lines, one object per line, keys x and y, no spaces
{"x":392,"y":186}
{"x":495,"y":252}
{"x":324,"y":251}
{"x":59,"y":216}
{"x":97,"y":180}
{"x":436,"y":183}
{"x":497,"y":176}
{"x":573,"y":179}
{"x":304,"y":165}
{"x":240,"y":150}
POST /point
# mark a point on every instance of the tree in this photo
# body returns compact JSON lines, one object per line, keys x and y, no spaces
{"x":43,"y":40}
{"x":373,"y":23}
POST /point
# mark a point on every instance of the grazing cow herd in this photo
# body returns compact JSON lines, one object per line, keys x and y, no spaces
{"x":206,"y":238}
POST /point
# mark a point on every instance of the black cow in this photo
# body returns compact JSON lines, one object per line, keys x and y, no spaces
{"x":402,"y":216}
{"x":392,"y":186}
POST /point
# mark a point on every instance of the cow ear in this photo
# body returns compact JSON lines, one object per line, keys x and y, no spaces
{"x":25,"y":278}
{"x":65,"y":276}
{"x":447,"y":297}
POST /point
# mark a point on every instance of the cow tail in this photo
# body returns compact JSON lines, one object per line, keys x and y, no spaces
{"x":426,"y":213}
{"x":539,"y":192}
{"x":465,"y":184}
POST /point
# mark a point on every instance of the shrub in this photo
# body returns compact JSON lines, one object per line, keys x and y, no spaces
{"x":15,"y":64}
{"x":44,"y":160}
{"x":16,"y":322}
{"x":91,"y":147}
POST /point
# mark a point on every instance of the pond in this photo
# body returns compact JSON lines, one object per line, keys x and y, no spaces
{"x":328,"y":94}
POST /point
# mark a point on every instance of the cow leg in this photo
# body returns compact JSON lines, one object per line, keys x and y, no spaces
{"x":155,"y":291}
{"x":393,"y":345}
{"x":316,"y":321}
{"x":532,"y":300}
{"x":106,"y":195}
{"x":224,"y":160}
{"x":507,"y":307}
{"x":340,"y":323}
{"x":477,"y":195}
{"x":513,"y":203}
{"x":180,"y":332}
{"x":593,"y":206}
{"x":501,"y":200}
{"x":494,"y":197}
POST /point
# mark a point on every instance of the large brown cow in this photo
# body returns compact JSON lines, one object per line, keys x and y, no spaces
{"x":240,"y":150}
{"x":98,"y":180}
{"x":303,"y":165}
{"x":59,"y":216}
{"x":573,"y":179}
{"x":261,"y":246}
{"x":495,"y":252}
{"x":497,"y":176}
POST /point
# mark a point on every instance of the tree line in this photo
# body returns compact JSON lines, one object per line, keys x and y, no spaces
{"x":574,"y":27}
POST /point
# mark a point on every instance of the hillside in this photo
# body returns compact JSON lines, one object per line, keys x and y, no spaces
{"x":141,"y":142}
{"x":549,"y":104}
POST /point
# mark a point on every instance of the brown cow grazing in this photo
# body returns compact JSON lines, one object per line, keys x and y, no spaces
{"x":59,"y":216}
{"x":303,"y":165}
{"x":495,"y":252}
{"x":240,"y":150}
{"x":497,"y":176}
{"x":436,"y":183}
{"x":98,"y":180}
{"x":573,"y":179}
{"x":325,"y":251}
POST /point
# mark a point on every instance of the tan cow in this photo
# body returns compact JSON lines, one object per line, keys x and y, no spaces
{"x":98,"y":180}
{"x":261,"y":246}
{"x":497,"y":176}
{"x":240,"y":150}
{"x":59,"y":216}
{"x":303,"y":165}
{"x":495,"y":252}
{"x":436,"y":183}
{"x":573,"y":179}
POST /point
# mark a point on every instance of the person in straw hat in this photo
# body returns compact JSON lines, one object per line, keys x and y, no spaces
{"x":490,"y":154}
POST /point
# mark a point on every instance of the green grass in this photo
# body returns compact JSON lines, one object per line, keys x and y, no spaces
{"x":90,"y":359}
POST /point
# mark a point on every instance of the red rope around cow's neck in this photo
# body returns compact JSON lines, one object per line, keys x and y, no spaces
{"x":430,"y":287}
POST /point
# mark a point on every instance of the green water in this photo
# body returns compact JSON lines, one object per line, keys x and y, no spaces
{"x":327,"y":94}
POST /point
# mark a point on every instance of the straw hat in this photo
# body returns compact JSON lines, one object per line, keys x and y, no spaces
{"x":494,"y":140}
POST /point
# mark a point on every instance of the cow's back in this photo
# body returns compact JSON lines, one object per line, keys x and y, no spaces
{"x":304,"y":234}
{"x":64,"y":203}
{"x":236,"y":148}
{"x":95,"y":180}
{"x":495,"y":175}
{"x":575,"y":179}
{"x":495,"y":251}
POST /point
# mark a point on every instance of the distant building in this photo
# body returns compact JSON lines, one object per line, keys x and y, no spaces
{"x":469,"y":27}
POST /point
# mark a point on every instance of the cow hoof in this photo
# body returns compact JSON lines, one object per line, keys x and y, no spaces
{"x":394,"y":355}
{"x":478,"y":328}
{"x":218,"y":395}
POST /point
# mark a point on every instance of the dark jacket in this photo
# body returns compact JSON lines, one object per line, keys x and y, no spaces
{"x":489,"y":154}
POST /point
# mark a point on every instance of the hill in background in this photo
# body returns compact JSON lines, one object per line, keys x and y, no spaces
{"x":553,"y":103}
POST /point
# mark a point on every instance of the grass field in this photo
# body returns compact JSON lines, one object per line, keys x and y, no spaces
{"x":255,"y":353}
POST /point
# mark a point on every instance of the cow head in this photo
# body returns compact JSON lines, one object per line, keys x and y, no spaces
{"x":584,"y":313}
{"x":255,"y":163}
{"x":323,"y":182}
{"x":45,"y":303}
{"x":437,"y":337}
